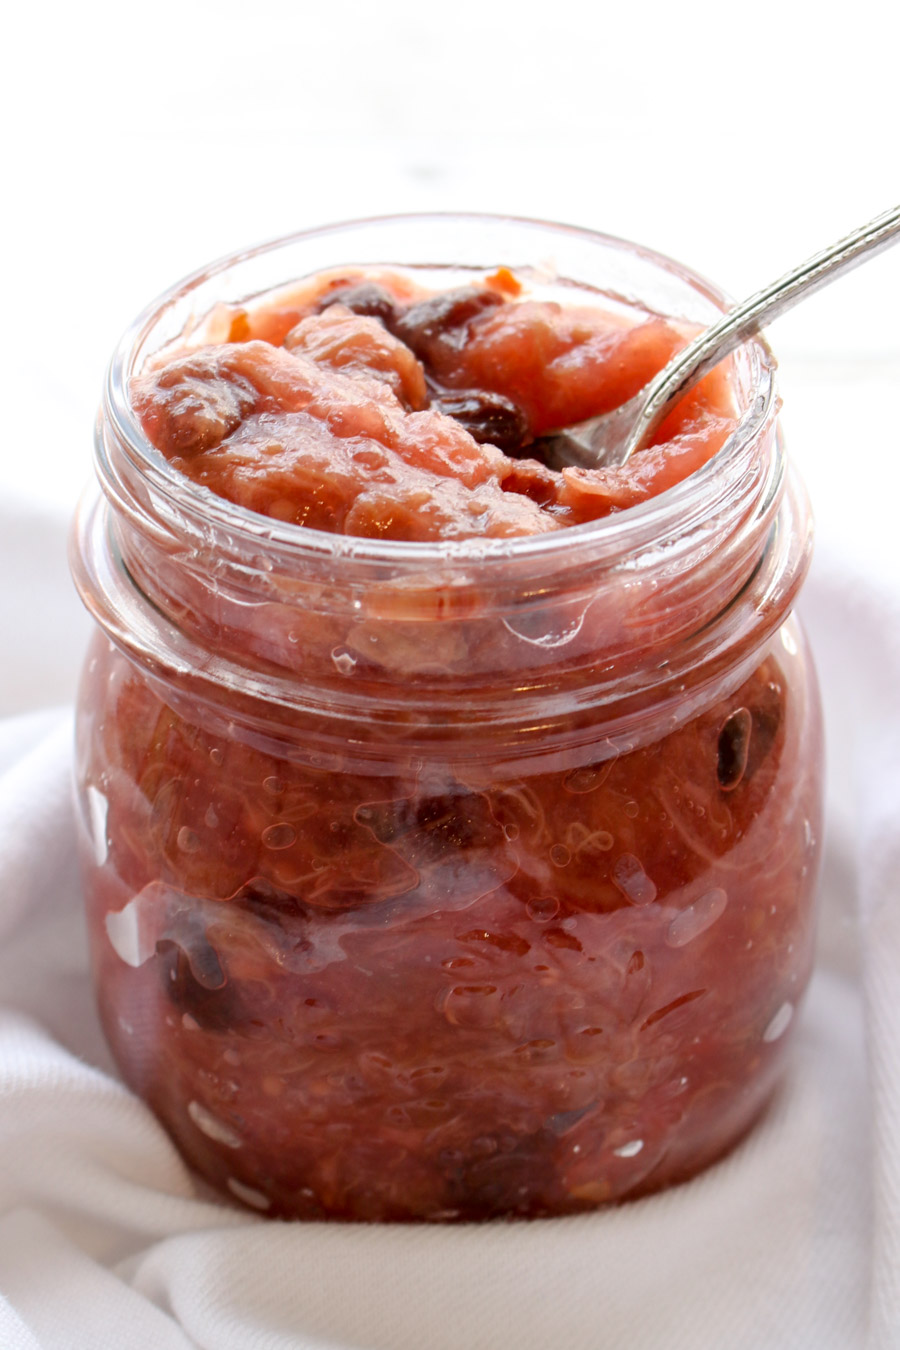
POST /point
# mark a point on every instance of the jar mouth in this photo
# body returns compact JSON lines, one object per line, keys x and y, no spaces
{"x":535,"y":636}
{"x":612,"y":537}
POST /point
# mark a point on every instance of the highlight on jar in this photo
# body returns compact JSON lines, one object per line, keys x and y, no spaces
{"x":449,"y":818}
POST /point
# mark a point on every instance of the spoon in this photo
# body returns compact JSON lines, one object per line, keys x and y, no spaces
{"x":609,"y":440}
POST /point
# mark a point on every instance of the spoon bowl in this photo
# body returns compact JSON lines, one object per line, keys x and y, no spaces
{"x":609,"y":440}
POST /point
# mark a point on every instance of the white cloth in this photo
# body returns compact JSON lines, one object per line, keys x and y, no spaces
{"x":792,"y":1243}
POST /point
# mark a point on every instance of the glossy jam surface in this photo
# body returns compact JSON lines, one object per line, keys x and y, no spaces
{"x":443,"y":886}
{"x":450,"y":994}
{"x":363,"y":406}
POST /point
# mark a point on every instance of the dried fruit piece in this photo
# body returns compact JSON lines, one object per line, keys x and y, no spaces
{"x":489,"y":418}
{"x":438,"y":326}
{"x":361,"y":359}
{"x":733,"y":749}
{"x":365,"y":297}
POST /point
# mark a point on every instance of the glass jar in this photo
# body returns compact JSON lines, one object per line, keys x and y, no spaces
{"x":455,"y":880}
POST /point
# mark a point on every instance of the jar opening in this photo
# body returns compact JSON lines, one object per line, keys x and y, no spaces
{"x":351,"y":629}
{"x":576,"y":257}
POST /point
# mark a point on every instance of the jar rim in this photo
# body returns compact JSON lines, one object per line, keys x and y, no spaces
{"x":617,"y":535}
{"x":237,"y":607}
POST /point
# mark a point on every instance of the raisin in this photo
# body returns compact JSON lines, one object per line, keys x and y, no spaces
{"x":267,"y":902}
{"x":435,"y":824}
{"x":734,"y":747}
{"x":493,"y":1175}
{"x":366,"y":298}
{"x":434,"y":326}
{"x":212,"y":1003}
{"x":489,"y":418}
{"x":430,"y":833}
{"x":529,"y":478}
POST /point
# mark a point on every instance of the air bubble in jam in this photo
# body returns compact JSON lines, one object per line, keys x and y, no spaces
{"x":543,"y":908}
{"x":472,"y":1006}
{"x":279,"y":835}
{"x":629,"y":875}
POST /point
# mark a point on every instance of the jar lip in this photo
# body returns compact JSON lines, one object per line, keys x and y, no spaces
{"x":619,"y":534}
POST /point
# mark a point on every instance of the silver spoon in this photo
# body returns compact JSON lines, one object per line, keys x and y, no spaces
{"x":609,"y":440}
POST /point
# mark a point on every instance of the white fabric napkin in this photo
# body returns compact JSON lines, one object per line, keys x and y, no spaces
{"x":791,"y":1243}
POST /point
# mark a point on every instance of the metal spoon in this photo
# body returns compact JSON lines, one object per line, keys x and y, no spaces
{"x":609,"y":440}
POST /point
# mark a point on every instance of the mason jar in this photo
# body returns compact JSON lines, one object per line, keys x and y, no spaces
{"x":444,"y":881}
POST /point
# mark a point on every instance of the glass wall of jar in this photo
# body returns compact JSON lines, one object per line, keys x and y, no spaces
{"x":452,"y":880}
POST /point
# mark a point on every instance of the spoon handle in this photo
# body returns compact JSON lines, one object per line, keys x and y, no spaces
{"x":715,"y":343}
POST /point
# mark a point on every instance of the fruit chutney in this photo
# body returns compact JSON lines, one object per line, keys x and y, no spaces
{"x":449,"y":819}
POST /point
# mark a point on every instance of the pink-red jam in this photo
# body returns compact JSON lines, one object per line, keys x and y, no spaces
{"x":459,"y":998}
{"x":434,"y":957}
{"x":366,"y":410}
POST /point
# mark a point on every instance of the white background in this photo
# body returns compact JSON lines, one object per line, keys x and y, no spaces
{"x":144,"y":140}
